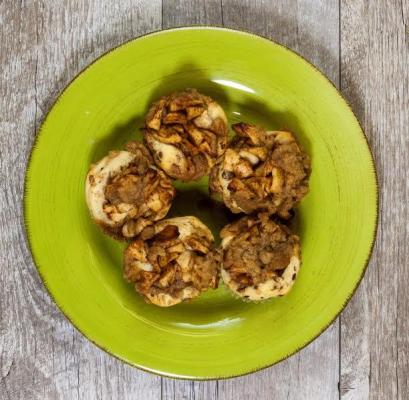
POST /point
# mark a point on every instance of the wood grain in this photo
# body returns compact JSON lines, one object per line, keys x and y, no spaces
{"x":375,"y":79}
{"x":192,"y":12}
{"x":361,"y":45}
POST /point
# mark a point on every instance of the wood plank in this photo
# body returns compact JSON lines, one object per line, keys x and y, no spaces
{"x":181,"y":13}
{"x":17,"y":102}
{"x":375,"y":79}
{"x":188,"y":390}
{"x":192,"y":12}
{"x":312,"y":29}
{"x":43,"y":45}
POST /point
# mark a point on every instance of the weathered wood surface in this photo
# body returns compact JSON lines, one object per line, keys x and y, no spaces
{"x":375,"y":80}
{"x":362,"y":46}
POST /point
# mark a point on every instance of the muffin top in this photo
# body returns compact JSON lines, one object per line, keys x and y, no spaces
{"x":261,"y":171}
{"x":172,"y":261}
{"x":186,"y":132}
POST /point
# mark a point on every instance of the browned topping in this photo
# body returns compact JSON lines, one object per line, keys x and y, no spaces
{"x":166,"y":263}
{"x":262,"y":171}
{"x":198,"y":243}
{"x":195,"y":125}
{"x":140,"y":150}
{"x":258,"y":250}
{"x":139,"y":195}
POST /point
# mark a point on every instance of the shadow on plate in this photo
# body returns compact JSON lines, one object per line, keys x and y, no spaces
{"x":117,"y":138}
{"x":197,"y":202}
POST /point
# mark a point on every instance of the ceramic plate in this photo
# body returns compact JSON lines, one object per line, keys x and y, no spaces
{"x":216,"y":335}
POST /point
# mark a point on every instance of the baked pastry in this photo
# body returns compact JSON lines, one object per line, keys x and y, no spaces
{"x":261,"y":258}
{"x":173,"y":261}
{"x":261,"y":171}
{"x":125,"y":191}
{"x":186,"y":132}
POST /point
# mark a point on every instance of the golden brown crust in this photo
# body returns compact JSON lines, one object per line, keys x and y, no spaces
{"x":186,"y":132}
{"x":261,"y":171}
{"x":172,"y":261}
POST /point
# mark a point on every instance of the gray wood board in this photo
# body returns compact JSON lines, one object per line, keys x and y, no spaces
{"x":362,"y":46}
{"x":375,"y":80}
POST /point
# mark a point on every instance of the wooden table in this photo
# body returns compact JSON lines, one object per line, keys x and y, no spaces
{"x":362,"y":46}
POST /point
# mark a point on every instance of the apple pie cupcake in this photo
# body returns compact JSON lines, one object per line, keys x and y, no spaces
{"x":126,"y":192}
{"x":261,"y":258}
{"x":261,"y":171}
{"x":173,"y":261}
{"x":186,"y":132}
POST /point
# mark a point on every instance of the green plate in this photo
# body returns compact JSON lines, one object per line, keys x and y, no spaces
{"x":255,"y":80}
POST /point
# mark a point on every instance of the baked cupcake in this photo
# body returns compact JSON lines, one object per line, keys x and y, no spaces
{"x":186,"y":132}
{"x":126,"y":192}
{"x":173,"y":261}
{"x":261,"y":258}
{"x":261,"y":171}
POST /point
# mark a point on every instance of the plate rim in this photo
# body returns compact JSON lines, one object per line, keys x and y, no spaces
{"x":26,"y":192}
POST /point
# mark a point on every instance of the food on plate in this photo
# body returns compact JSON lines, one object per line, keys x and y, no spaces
{"x":172,"y":261}
{"x":186,"y":132}
{"x":261,"y":258}
{"x":261,"y":171}
{"x":126,"y":192}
